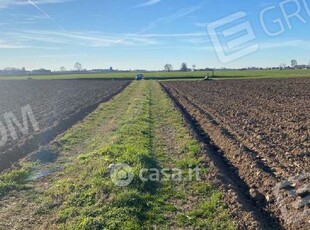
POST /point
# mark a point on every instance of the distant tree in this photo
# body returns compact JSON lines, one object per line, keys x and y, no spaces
{"x":282,"y":66}
{"x":168,"y":67}
{"x":23,"y":69}
{"x":293,"y":63}
{"x":184,"y":67}
{"x":62,"y":69}
{"x":78,"y":66}
{"x":194,"y":67}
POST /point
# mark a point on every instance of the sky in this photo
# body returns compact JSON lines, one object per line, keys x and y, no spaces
{"x":147,"y":34}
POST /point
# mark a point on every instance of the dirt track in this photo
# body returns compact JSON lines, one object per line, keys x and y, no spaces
{"x":56,"y":104}
{"x":260,"y":131}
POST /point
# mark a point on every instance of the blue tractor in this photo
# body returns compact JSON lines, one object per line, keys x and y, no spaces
{"x":139,"y":77}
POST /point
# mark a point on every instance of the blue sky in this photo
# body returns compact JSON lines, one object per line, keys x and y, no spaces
{"x":146,"y":34}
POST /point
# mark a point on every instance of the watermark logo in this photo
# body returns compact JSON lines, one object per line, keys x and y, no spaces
{"x":275,"y":19}
{"x":292,"y":196}
{"x":12,"y":123}
{"x":122,"y":174}
{"x":233,"y":37}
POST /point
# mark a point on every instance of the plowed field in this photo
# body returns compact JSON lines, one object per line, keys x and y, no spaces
{"x":56,"y":105}
{"x":261,"y":129}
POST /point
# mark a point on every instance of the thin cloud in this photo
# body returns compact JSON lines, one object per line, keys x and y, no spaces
{"x":96,"y":39}
{"x":201,"y":25}
{"x":7,"y":3}
{"x":301,"y":44}
{"x":86,"y":38}
{"x":148,"y":3}
{"x":285,"y":44}
{"x":173,"y":17}
{"x":45,"y":14}
{"x":164,"y":20}
{"x":8,"y":45}
{"x":198,"y":34}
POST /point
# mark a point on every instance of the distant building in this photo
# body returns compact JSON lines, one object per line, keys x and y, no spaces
{"x":100,"y":70}
{"x":13,"y":71}
{"x":41,"y":71}
{"x":301,"y":67}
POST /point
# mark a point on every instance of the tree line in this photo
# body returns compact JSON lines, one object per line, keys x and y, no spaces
{"x":184,"y":67}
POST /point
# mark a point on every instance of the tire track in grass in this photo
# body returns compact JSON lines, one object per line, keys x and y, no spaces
{"x":195,"y":204}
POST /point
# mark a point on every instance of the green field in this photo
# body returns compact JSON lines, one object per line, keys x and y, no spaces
{"x":219,"y":74}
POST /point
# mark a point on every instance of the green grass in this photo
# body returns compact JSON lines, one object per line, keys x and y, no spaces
{"x":141,"y":128}
{"x":15,"y":179}
{"x":205,"y":210}
{"x":257,"y":74}
{"x":220,"y":74}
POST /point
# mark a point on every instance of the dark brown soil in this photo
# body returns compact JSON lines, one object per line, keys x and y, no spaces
{"x":259,"y":133}
{"x":56,"y":104}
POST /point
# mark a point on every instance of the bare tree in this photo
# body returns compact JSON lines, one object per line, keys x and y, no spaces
{"x":194,"y":67}
{"x":293,"y":63}
{"x":78,"y":66}
{"x":184,"y":67}
{"x":62,"y":69}
{"x":168,"y":67}
{"x":282,"y":66}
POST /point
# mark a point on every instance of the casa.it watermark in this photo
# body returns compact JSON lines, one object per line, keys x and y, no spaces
{"x":293,"y":198}
{"x":233,"y":36}
{"x":10,"y":123}
{"x":122,"y":174}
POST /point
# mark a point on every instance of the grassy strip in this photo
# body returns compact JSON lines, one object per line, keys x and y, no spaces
{"x":88,"y":198}
{"x":197,"y":204}
{"x":15,"y":179}
{"x":83,"y":196}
